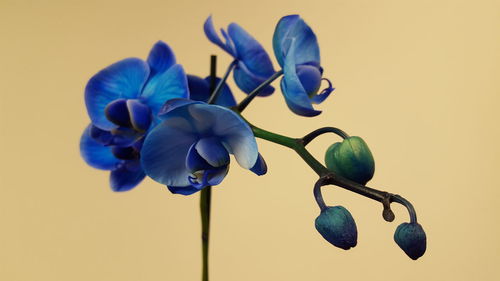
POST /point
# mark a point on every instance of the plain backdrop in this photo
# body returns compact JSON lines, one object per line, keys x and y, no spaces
{"x":418,"y":80}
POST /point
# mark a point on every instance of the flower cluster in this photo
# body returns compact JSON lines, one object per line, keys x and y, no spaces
{"x":150,"y":118}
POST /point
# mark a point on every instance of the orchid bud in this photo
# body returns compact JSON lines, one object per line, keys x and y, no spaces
{"x":337,"y":226}
{"x":411,"y":239}
{"x":351,"y":159}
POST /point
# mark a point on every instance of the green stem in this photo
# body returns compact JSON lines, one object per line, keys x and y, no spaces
{"x":327,"y":176}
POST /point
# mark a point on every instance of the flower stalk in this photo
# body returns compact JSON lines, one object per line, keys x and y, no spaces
{"x":206,"y":193}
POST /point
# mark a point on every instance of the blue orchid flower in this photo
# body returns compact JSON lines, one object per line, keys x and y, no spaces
{"x":190,"y":148}
{"x":123,"y":101}
{"x":199,"y":90}
{"x":297,"y":51}
{"x":253,"y":63}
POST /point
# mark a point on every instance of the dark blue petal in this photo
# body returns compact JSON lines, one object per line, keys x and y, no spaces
{"x":211,"y":34}
{"x":123,"y":136}
{"x":127,"y":176}
{"x":165,"y":148}
{"x":96,"y":154}
{"x":260,"y":167}
{"x":125,"y":153}
{"x":310,"y":78}
{"x":194,"y":161}
{"x":199,"y":88}
{"x":124,"y":79}
{"x":250,"y":52}
{"x":212,"y":150}
{"x":117,"y":112}
{"x":248,"y":81}
{"x":161,"y":88}
{"x":140,"y":115}
{"x":295,"y":96}
{"x":184,"y":190}
{"x":225,"y":97}
{"x":173,"y":104}
{"x":160,"y":58}
{"x":294,"y":29}
{"x":101,"y":136}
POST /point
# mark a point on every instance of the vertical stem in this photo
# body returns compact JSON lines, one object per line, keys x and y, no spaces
{"x":206,"y":193}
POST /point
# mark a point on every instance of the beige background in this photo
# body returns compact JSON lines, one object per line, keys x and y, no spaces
{"x":418,"y":80}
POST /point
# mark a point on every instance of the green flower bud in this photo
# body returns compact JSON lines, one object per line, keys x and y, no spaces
{"x":337,"y":226}
{"x":411,"y":239}
{"x":351,"y":159}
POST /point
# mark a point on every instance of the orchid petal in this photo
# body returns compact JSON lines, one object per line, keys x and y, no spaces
{"x":294,"y":29}
{"x":161,"y":57}
{"x":295,"y":95}
{"x":250,"y":52}
{"x":127,"y":176}
{"x":95,"y":153}
{"x":140,"y":115}
{"x":248,"y":81}
{"x":212,"y":35}
{"x":183,"y":190}
{"x":123,"y":79}
{"x":260,"y":167}
{"x":168,"y":85}
{"x":212,"y":150}
{"x":117,"y":112}
{"x":165,"y":148}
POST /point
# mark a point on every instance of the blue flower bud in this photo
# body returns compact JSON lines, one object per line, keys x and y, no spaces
{"x":351,"y":159}
{"x":411,"y":239}
{"x":337,"y":226}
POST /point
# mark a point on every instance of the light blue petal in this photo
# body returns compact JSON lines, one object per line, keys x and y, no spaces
{"x":234,"y":133}
{"x":260,"y":167}
{"x":194,"y":161}
{"x":295,"y":96}
{"x":117,"y":112}
{"x":212,"y":35}
{"x":294,"y":29}
{"x":280,"y":45}
{"x":124,"y":79}
{"x":183,"y":190}
{"x":247,"y":81}
{"x":161,"y":57}
{"x":173,"y":104}
{"x":165,"y":148}
{"x":127,"y":176}
{"x":140,"y":115}
{"x":250,"y":52}
{"x":212,"y":150}
{"x":96,"y":154}
{"x":168,"y":85}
